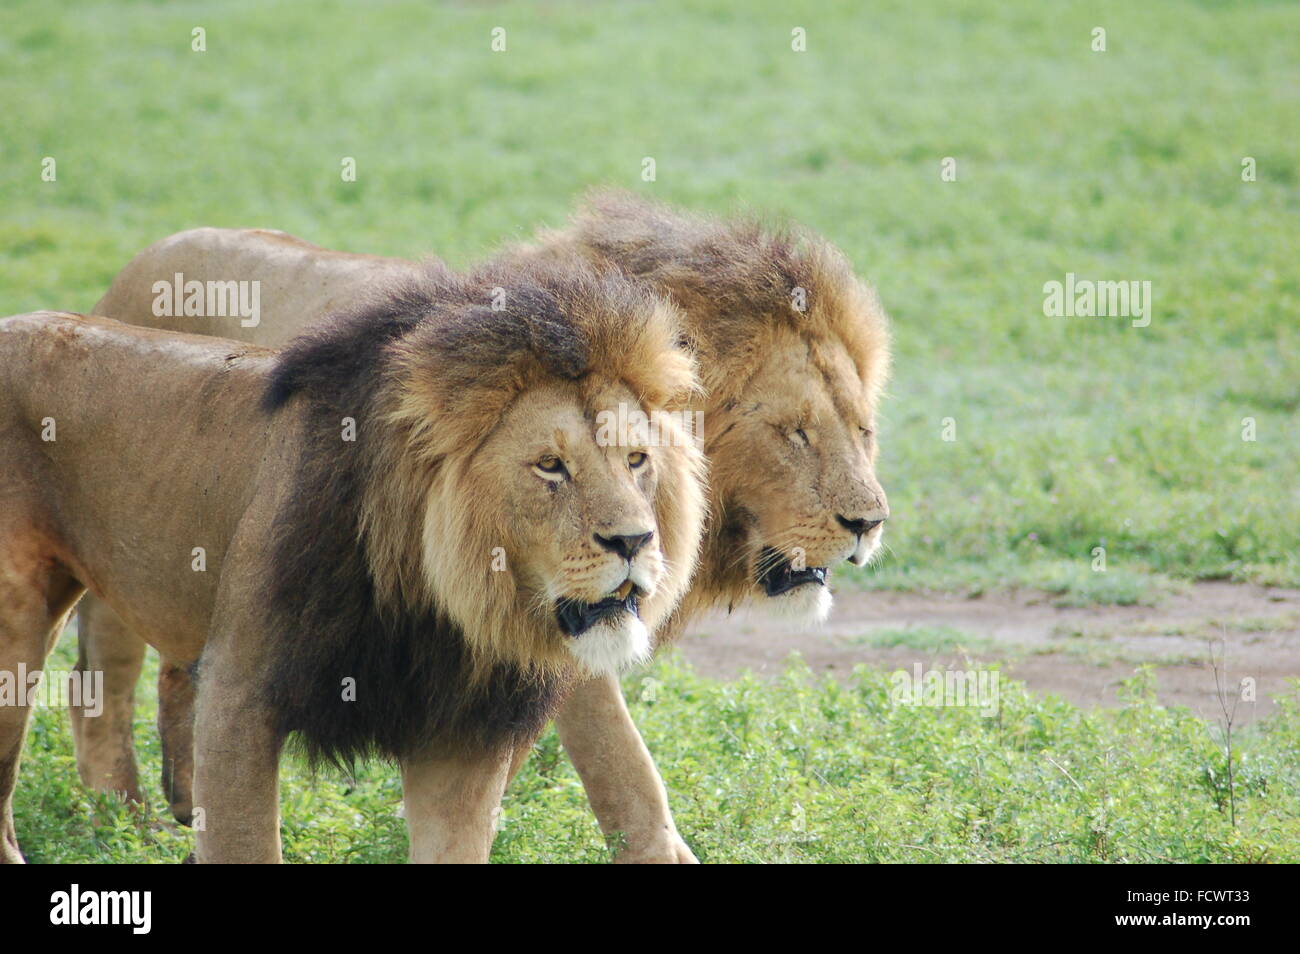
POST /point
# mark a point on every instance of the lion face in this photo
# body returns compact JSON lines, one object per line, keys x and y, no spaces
{"x":574,"y":542}
{"x":792,"y":468}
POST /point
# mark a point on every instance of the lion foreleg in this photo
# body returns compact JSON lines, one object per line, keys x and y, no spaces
{"x":452,"y":805}
{"x":620,"y":777}
{"x":236,"y":763}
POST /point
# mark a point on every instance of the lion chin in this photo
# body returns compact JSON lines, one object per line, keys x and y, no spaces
{"x":612,"y":645}
{"x":809,"y":603}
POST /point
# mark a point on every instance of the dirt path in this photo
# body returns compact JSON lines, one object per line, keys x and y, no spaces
{"x":1080,"y":653}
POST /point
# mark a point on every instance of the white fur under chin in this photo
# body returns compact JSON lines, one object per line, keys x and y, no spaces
{"x":612,"y":645}
{"x":809,"y":603}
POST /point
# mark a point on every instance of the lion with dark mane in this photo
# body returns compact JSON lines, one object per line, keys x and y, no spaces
{"x":456,"y":383}
{"x":414,"y":541}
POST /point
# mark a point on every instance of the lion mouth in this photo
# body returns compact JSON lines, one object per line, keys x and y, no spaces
{"x":780,"y":576}
{"x":576,"y":617}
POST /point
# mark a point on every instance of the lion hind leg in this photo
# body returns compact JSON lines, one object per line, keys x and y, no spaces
{"x":103,"y":739}
{"x":176,"y":728}
{"x":36,"y":596}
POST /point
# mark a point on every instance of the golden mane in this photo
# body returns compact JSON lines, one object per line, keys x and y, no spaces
{"x":733,"y":279}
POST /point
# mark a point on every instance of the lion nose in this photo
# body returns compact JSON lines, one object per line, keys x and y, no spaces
{"x":626,"y":545}
{"x":859,"y":526}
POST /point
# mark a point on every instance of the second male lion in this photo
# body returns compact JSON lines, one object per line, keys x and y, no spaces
{"x":793,"y":350}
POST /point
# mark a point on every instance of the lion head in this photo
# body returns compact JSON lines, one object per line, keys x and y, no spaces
{"x":481,"y":538}
{"x":793,"y":351}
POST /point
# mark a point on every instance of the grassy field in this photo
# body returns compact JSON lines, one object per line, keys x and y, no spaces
{"x":800,"y":771}
{"x":1070,"y":433}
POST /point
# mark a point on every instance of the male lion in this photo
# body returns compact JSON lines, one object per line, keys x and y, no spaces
{"x":400,"y":536}
{"x":793,"y":351}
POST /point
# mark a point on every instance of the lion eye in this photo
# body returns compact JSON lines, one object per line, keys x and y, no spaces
{"x":550,"y":467}
{"x":636,"y":459}
{"x":802,"y":435}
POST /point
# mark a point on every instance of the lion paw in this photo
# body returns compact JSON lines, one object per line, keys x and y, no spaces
{"x":669,"y":850}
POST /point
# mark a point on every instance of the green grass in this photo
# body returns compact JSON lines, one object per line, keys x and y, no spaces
{"x":923,"y":638}
{"x":1071,"y":582}
{"x":795,"y":771}
{"x":1070,"y":433}
{"x":1072,"y":643}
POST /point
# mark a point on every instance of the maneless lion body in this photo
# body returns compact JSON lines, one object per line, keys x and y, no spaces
{"x":793,"y":350}
{"x":399,"y":536}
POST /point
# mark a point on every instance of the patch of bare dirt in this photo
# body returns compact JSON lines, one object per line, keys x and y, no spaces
{"x":1081,"y":653}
